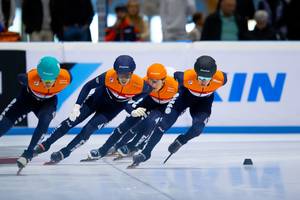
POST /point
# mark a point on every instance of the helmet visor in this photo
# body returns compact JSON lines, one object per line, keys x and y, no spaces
{"x":202,"y":78}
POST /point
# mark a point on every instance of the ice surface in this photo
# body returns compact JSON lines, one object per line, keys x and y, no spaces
{"x":208,"y":168}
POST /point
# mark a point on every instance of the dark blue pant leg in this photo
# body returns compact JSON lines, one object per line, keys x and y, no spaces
{"x":15,"y":111}
{"x":118,"y":133}
{"x":199,"y":122}
{"x":66,"y":125}
{"x":95,"y":123}
{"x":5,"y":125}
{"x":163,"y":125}
{"x":200,"y":112}
{"x":142,"y":128}
{"x":45,"y":114}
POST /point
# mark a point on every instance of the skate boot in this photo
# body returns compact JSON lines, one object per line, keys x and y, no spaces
{"x":123,"y":150}
{"x":174,"y":147}
{"x":40,"y":148}
{"x":21,"y":162}
{"x":55,"y":157}
{"x":137,"y":159}
{"x":93,"y":155}
{"x":133,"y":150}
{"x":111,"y":152}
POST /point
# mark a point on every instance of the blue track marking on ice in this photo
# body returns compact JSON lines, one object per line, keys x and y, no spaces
{"x":80,"y":72}
{"x":180,"y":130}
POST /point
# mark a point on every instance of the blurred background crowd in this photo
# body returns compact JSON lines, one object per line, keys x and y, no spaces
{"x":149,"y":20}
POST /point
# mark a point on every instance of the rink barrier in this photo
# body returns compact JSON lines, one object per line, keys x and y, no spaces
{"x":178,"y":130}
{"x":259,"y":97}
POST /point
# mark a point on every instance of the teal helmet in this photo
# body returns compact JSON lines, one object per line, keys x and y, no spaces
{"x":48,"y":68}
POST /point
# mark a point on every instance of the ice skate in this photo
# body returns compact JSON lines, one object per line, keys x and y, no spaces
{"x":174,"y":147}
{"x":124,"y":152}
{"x":38,"y":150}
{"x":93,"y":155}
{"x":21,"y":162}
{"x":56,"y":157}
{"x":169,"y":156}
{"x":137,"y":159}
{"x":111,"y":152}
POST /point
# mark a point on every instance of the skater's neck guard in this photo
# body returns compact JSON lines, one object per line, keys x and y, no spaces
{"x":132,"y":88}
{"x":191,"y":82}
{"x":167,"y":92}
{"x":36,"y":85}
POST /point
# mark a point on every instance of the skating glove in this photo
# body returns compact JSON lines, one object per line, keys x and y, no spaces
{"x":75,"y":112}
{"x":139,"y":112}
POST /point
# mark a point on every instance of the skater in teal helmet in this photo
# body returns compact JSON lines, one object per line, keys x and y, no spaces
{"x":38,"y":95}
{"x":48,"y":69}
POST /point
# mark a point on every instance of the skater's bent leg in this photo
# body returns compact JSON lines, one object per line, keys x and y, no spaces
{"x":165,"y":123}
{"x":117,"y":134}
{"x":42,"y":127}
{"x":14,"y":112}
{"x":142,"y":128}
{"x":95,"y":123}
{"x":199,"y":122}
{"x":65,"y":126}
{"x":5,"y":125}
{"x":58,"y":132}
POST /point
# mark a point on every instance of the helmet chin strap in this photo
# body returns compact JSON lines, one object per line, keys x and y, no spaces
{"x":48,"y":86}
{"x":124,"y":83}
{"x":162,"y":85}
{"x":201,"y":82}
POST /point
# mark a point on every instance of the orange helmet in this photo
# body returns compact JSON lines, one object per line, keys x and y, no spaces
{"x":156,"y":71}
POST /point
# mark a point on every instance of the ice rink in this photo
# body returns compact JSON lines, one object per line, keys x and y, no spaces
{"x":208,"y":168}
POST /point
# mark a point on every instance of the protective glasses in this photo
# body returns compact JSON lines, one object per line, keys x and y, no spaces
{"x":202,"y":78}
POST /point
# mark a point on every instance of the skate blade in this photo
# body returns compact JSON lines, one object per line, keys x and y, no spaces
{"x":50,"y":163}
{"x":89,"y":159}
{"x":119,"y":157}
{"x":21,"y":167}
{"x":167,"y":158}
{"x":111,"y":154}
{"x":19,"y":171}
{"x":132,"y":166}
{"x":122,"y":157}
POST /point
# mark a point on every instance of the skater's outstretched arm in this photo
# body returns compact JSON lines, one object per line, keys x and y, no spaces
{"x":179,"y":77}
{"x":99,"y":81}
{"x":22,"y":79}
{"x":136,"y":100}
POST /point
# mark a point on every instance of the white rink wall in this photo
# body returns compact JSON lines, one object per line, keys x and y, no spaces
{"x":262,"y":76}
